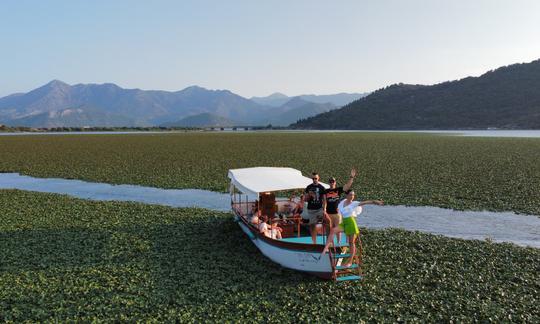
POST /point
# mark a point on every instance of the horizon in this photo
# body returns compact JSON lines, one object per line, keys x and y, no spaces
{"x":189,"y":86}
{"x":257,"y":49}
{"x":262,"y":96}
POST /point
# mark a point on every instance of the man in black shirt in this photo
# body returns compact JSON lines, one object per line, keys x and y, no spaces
{"x":333,"y":195}
{"x":315,"y":197}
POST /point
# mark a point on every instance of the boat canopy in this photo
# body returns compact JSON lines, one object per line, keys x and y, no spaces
{"x":252,"y":181}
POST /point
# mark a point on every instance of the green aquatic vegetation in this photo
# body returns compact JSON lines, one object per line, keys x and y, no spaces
{"x":415,"y":169}
{"x":66,"y":259}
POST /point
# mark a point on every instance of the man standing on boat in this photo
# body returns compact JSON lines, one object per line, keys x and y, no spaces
{"x":315,"y":197}
{"x":333,"y":195}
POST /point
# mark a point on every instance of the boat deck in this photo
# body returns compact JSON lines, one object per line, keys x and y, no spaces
{"x":320,"y":240}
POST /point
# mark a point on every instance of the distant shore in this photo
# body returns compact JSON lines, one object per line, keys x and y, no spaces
{"x":6,"y":131}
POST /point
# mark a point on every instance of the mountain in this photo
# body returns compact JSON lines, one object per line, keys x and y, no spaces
{"x":288,"y":113}
{"x":75,"y":117}
{"x":340,"y":99}
{"x":203,"y":120}
{"x":508,"y":97}
{"x":297,"y":109}
{"x":58,"y":104}
{"x":81,"y":116}
{"x":275,"y":99}
{"x":293,"y":110}
{"x":137,"y":107}
{"x":293,"y":103}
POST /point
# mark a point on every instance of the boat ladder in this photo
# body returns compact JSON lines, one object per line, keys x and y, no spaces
{"x":343,"y":272}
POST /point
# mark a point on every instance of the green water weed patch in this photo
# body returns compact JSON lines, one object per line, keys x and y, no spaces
{"x":500,"y":174}
{"x":66,"y":259}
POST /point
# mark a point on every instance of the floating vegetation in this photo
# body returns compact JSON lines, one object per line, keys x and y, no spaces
{"x":66,"y":259}
{"x":500,"y":174}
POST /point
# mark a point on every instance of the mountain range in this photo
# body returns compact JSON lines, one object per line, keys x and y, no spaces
{"x":58,"y":104}
{"x":339,"y":99}
{"x":508,"y":97}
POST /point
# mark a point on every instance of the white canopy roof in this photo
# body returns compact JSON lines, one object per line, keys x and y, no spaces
{"x":252,"y":181}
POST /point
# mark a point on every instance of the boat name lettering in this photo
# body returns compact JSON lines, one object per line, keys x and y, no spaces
{"x":304,"y":257}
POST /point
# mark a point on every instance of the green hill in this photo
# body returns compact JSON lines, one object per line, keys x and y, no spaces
{"x":508,"y":97}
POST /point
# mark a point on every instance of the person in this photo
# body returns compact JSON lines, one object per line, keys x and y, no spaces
{"x":272,"y":231}
{"x":296,"y":205}
{"x":333,"y":195}
{"x":275,"y":231}
{"x":254,"y":219}
{"x":349,"y":209}
{"x":263,"y":227}
{"x":314,"y":196}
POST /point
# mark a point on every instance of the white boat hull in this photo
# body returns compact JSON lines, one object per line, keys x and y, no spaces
{"x":301,"y":260}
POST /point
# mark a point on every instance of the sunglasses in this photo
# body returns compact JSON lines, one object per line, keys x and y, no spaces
{"x":331,"y":181}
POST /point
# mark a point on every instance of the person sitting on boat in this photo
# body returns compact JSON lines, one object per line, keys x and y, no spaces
{"x":254,"y":219}
{"x":333,"y":195}
{"x":314,"y":195}
{"x":296,"y":205}
{"x":272,"y":231}
{"x":275,"y":231}
{"x":349,"y":209}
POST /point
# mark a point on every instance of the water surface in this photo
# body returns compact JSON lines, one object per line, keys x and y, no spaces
{"x":498,"y":226}
{"x":466,"y":133}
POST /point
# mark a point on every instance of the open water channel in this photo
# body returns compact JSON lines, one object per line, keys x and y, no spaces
{"x":467,"y":133}
{"x":522,"y":230}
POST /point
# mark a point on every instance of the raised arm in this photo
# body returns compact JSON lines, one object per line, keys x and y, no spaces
{"x":348,"y":185}
{"x":372,"y":202}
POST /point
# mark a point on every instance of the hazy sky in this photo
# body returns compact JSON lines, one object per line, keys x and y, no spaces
{"x":258,"y":47}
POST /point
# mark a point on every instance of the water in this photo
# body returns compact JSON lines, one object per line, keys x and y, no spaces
{"x":89,"y":133}
{"x":489,"y":133}
{"x":106,"y":192}
{"x":523,"y":230}
{"x":466,"y":133}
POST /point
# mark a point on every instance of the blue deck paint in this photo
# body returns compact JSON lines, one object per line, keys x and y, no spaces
{"x":347,"y":278}
{"x":320,"y":240}
{"x":352,"y":266}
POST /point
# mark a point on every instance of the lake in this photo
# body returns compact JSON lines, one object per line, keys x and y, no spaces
{"x":466,"y":133}
{"x":523,"y":230}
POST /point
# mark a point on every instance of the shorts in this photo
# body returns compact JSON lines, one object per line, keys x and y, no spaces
{"x":312,"y":216}
{"x":349,"y":226}
{"x":336,"y":219}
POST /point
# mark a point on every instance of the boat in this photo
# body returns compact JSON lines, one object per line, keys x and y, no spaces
{"x":253,"y":196}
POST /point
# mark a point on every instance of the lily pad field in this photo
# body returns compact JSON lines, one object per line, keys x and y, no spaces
{"x":501,"y":174}
{"x":65,"y":259}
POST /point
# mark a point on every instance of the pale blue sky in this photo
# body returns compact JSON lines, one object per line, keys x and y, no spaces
{"x":258,"y":47}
